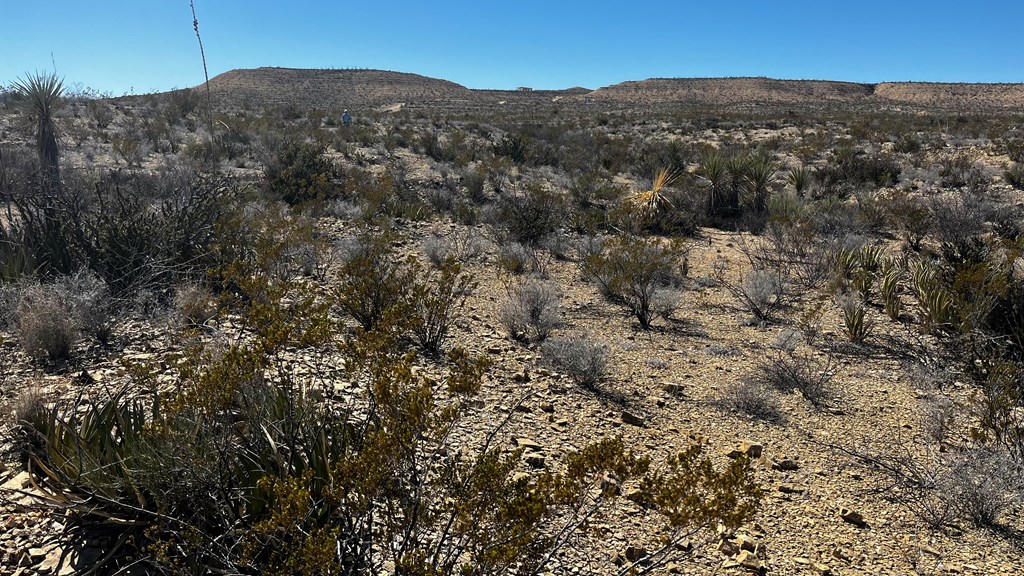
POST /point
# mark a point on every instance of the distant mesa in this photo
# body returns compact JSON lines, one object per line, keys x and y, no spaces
{"x":381,"y":89}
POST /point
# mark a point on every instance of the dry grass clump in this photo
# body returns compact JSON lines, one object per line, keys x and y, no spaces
{"x":46,"y":323}
{"x":753,"y":397}
{"x":194,"y":304}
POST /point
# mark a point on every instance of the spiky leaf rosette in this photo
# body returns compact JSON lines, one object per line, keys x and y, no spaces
{"x":42,"y":93}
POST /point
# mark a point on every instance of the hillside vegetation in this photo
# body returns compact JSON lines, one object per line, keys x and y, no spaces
{"x":672,"y":326}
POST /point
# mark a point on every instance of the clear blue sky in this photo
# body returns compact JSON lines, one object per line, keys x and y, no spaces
{"x":148,"y":45}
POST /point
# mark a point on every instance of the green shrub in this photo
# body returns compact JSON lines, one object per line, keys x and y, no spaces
{"x":529,"y":216}
{"x":296,"y":485}
{"x":513,"y":147}
{"x":372,"y":281}
{"x":300,"y":173}
{"x":1014,"y":176}
{"x":435,"y":296}
{"x":910,"y":215}
{"x":632,"y":270}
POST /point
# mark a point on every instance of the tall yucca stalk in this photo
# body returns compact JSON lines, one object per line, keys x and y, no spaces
{"x":42,"y":93}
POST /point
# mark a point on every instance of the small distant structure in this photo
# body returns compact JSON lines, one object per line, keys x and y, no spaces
{"x":524,"y":89}
{"x":346,"y":118}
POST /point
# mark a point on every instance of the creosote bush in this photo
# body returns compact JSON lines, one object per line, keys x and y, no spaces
{"x":634,"y":270}
{"x":378,"y":287}
{"x":301,"y":172}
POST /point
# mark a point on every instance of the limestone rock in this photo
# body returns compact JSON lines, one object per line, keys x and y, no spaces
{"x":853,"y":517}
{"x":821,"y":569}
{"x":750,"y":561}
{"x":790,"y":489}
{"x":528,"y":444}
{"x":674,"y":389}
{"x":632,"y":419}
{"x":534,"y":459}
{"x":785,"y":465}
{"x":746,"y":448}
{"x":634,"y":553}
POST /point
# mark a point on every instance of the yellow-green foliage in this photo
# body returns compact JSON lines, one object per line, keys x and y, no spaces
{"x":243,"y":469}
{"x":632,"y":269}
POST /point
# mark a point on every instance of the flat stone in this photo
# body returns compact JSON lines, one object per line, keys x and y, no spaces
{"x":786,"y":465}
{"x":853,"y":517}
{"x":746,"y":448}
{"x":790,"y":489}
{"x":821,"y":569}
{"x":632,"y":419}
{"x":528,"y":444}
{"x":673,"y":389}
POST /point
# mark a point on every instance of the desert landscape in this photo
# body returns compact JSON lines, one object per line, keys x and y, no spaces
{"x":670,"y":326}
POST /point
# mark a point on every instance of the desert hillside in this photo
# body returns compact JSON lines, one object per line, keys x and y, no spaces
{"x":333,"y":88}
{"x":382,"y":89}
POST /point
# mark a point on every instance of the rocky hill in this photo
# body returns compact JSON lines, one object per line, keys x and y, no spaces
{"x":311,"y":88}
{"x":332,"y":89}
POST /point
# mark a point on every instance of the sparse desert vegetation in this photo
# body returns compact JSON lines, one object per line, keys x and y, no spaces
{"x":639,"y":330}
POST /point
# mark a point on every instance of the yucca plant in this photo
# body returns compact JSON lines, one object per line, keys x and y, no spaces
{"x":647,"y":205}
{"x":758,"y":178}
{"x":869,"y":261}
{"x":714,"y":170}
{"x":934,"y":301}
{"x":799,"y":177}
{"x":42,"y":93}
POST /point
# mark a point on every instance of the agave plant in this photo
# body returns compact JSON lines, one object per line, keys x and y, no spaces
{"x":42,"y":93}
{"x":648,"y":204}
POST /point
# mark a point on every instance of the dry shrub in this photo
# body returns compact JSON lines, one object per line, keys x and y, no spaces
{"x":937,"y":415}
{"x":788,"y":371}
{"x":981,"y":484}
{"x":754,"y":398}
{"x":46,"y":323}
{"x":194,"y":304}
{"x":532,"y":311}
{"x":578,"y":356}
{"x":91,"y":303}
